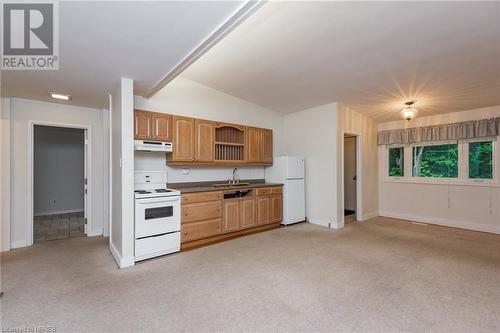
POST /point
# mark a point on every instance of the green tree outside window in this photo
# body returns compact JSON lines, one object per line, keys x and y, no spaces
{"x":440,"y":161}
{"x":396,"y":162}
{"x":481,"y":160}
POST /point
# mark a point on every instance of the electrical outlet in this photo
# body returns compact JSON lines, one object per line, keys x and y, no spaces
{"x":185,"y":172}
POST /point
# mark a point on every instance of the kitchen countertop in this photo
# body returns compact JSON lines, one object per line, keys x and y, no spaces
{"x":208,"y":186}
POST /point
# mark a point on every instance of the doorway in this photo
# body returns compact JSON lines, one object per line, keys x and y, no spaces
{"x":350,"y":178}
{"x":59,"y":184}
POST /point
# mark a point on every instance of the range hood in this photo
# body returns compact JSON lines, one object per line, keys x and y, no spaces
{"x":147,"y":145}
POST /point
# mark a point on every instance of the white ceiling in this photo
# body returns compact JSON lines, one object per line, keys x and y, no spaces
{"x":371,"y":56}
{"x":103,"y":41}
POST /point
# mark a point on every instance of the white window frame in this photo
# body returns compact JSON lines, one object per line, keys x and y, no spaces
{"x":463,"y":165}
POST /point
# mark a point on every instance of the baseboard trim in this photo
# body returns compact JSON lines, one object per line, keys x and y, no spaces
{"x":443,"y":222}
{"x":94,"y":233}
{"x":121,"y":262}
{"x":18,"y":244}
{"x":320,"y":222}
{"x":224,"y":237}
{"x":369,"y":216}
{"x":56,"y":212}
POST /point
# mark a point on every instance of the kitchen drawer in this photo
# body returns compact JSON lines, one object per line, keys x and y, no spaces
{"x":202,"y":229}
{"x":263,"y":191}
{"x":277,"y":190}
{"x":154,"y":246}
{"x":200,"y":197}
{"x":201,"y":211}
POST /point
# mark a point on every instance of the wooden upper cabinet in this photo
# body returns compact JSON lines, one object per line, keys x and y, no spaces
{"x":204,"y":140}
{"x":142,"y":125}
{"x":162,"y":126}
{"x":266,"y":144}
{"x":253,"y":144}
{"x":231,"y":216}
{"x":183,"y":138}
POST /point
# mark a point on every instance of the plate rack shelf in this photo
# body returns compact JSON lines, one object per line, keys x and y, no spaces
{"x":229,"y":143}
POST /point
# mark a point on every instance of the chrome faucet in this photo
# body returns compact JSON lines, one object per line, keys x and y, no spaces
{"x":236,"y":178}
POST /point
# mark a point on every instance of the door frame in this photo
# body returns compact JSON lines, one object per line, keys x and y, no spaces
{"x":87,"y":172}
{"x":359,"y":177}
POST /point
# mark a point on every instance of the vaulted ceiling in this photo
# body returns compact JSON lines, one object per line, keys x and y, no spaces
{"x":370,"y":56}
{"x":100,"y":42}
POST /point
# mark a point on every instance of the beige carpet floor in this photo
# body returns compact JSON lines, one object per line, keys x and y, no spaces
{"x":378,"y":276}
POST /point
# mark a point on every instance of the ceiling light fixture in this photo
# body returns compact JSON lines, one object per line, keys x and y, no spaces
{"x":60,"y":96}
{"x":409,"y":112}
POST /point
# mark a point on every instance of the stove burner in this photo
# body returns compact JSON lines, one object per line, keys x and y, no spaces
{"x":162,"y":190}
{"x":141,"y":192}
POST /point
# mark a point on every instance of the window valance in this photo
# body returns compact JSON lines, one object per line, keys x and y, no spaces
{"x":456,"y":131}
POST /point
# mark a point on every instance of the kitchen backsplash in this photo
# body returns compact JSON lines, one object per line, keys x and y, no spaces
{"x":155,"y":161}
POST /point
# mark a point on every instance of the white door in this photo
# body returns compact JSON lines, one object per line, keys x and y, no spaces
{"x":86,"y":169}
{"x":295,"y":167}
{"x":294,"y":201}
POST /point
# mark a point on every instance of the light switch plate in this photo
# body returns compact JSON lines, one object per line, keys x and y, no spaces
{"x":185,"y":172}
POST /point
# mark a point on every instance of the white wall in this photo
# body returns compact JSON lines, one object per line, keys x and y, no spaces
{"x":318,"y":134}
{"x":349,"y":173}
{"x":5,"y":174}
{"x":353,"y":122}
{"x":59,"y":160}
{"x":188,"y":98}
{"x":23,"y":112}
{"x":155,"y":161}
{"x":312,"y":133}
{"x":469,"y":206}
{"x":121,"y":242}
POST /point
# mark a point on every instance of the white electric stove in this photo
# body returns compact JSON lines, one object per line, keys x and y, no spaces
{"x":157,"y":215}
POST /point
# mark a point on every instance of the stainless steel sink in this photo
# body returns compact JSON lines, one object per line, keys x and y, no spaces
{"x":230,"y":185}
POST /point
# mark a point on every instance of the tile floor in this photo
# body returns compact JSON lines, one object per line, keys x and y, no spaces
{"x":58,"y":226}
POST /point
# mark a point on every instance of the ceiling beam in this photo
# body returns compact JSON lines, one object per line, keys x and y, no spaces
{"x":234,"y":21}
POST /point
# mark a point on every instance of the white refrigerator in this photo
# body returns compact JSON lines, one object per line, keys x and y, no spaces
{"x":290,"y":171}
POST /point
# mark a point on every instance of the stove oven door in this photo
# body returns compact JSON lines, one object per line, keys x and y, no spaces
{"x":156,"y":216}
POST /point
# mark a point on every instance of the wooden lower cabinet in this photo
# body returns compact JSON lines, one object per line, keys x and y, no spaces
{"x":201,"y":229}
{"x":262,"y":210}
{"x":207,"y":217}
{"x":201,"y":211}
{"x":247,"y":212}
{"x":276,"y":208}
{"x":231,"y":218}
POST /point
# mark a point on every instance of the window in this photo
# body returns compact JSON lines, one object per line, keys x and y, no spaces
{"x":439,"y":161}
{"x":396,"y":162}
{"x":481,"y":160}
